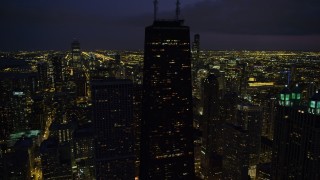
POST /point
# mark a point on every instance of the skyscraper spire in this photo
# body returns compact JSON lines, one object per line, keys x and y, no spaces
{"x":155,"y":3}
{"x":177,"y":9}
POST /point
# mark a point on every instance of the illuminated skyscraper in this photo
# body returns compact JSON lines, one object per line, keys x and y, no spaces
{"x":296,"y":146}
{"x":196,"y":47}
{"x":83,"y":139}
{"x":112,"y":101}
{"x":58,"y":70}
{"x":167,"y":132}
{"x":76,"y":54}
{"x":42,"y":70}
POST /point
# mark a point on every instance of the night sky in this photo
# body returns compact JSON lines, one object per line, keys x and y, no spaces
{"x":119,"y":24}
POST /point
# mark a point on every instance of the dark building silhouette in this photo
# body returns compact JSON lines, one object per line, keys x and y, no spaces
{"x":58,"y":70}
{"x":55,"y":160}
{"x":211,"y":127}
{"x":17,"y":160}
{"x":75,"y":54}
{"x":296,"y":143}
{"x":167,"y":132}
{"x":240,"y":140}
{"x":112,"y":101}
{"x":196,"y":47}
{"x":42,"y":70}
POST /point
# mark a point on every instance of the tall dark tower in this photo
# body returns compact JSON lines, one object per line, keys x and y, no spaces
{"x":211,"y":127}
{"x":112,"y":101}
{"x":166,"y":130}
{"x":196,"y":47}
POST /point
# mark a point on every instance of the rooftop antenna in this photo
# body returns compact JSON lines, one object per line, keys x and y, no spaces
{"x":177,"y":9}
{"x":155,"y":11}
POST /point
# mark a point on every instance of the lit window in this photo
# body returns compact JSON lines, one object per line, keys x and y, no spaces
{"x":313,"y":104}
{"x":287,"y":97}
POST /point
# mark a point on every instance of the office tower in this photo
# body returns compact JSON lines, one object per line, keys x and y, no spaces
{"x":312,"y":88}
{"x":265,"y":150}
{"x":242,"y":139}
{"x":249,"y":117}
{"x":42,"y":70}
{"x":196,"y":47}
{"x":38,"y":113}
{"x":5,"y":117}
{"x":268,"y":104}
{"x":55,"y":160}
{"x":243,"y":79}
{"x":296,"y":138}
{"x":2,"y":160}
{"x":17,"y":88}
{"x":236,"y":155}
{"x":75,"y":55}
{"x":212,"y":128}
{"x":112,"y":106}
{"x":293,"y":70}
{"x":228,"y":107}
{"x":58,"y":70}
{"x":62,"y":131}
{"x":117,"y":58}
{"x":18,"y":160}
{"x":137,"y":115}
{"x":202,"y":74}
{"x":79,"y":82}
{"x":167,"y":122}
{"x":84,"y":152}
{"x":20,"y":121}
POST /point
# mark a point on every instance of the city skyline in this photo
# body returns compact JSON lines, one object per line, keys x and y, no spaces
{"x":169,"y":109}
{"x":223,"y":25}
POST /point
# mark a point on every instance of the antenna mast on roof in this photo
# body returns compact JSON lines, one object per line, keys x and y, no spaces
{"x":177,"y":9}
{"x":155,"y":11}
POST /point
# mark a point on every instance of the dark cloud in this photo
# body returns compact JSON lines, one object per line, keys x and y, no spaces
{"x":257,"y":17}
{"x":119,"y":24}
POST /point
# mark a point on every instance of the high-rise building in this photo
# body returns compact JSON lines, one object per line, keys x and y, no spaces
{"x":18,"y":160}
{"x":211,"y":127}
{"x":196,"y":47}
{"x":112,"y":106}
{"x":58,"y":70}
{"x":296,"y":146}
{"x":167,"y":121}
{"x":249,"y":117}
{"x":75,"y":54}
{"x":55,"y":160}
{"x":42,"y":70}
{"x":236,"y":155}
{"x":83,"y":139}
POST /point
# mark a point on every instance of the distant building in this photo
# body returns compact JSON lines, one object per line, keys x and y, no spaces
{"x":58,"y":65}
{"x":42,"y":72}
{"x":112,"y":101}
{"x":196,"y":47}
{"x":76,"y":60}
